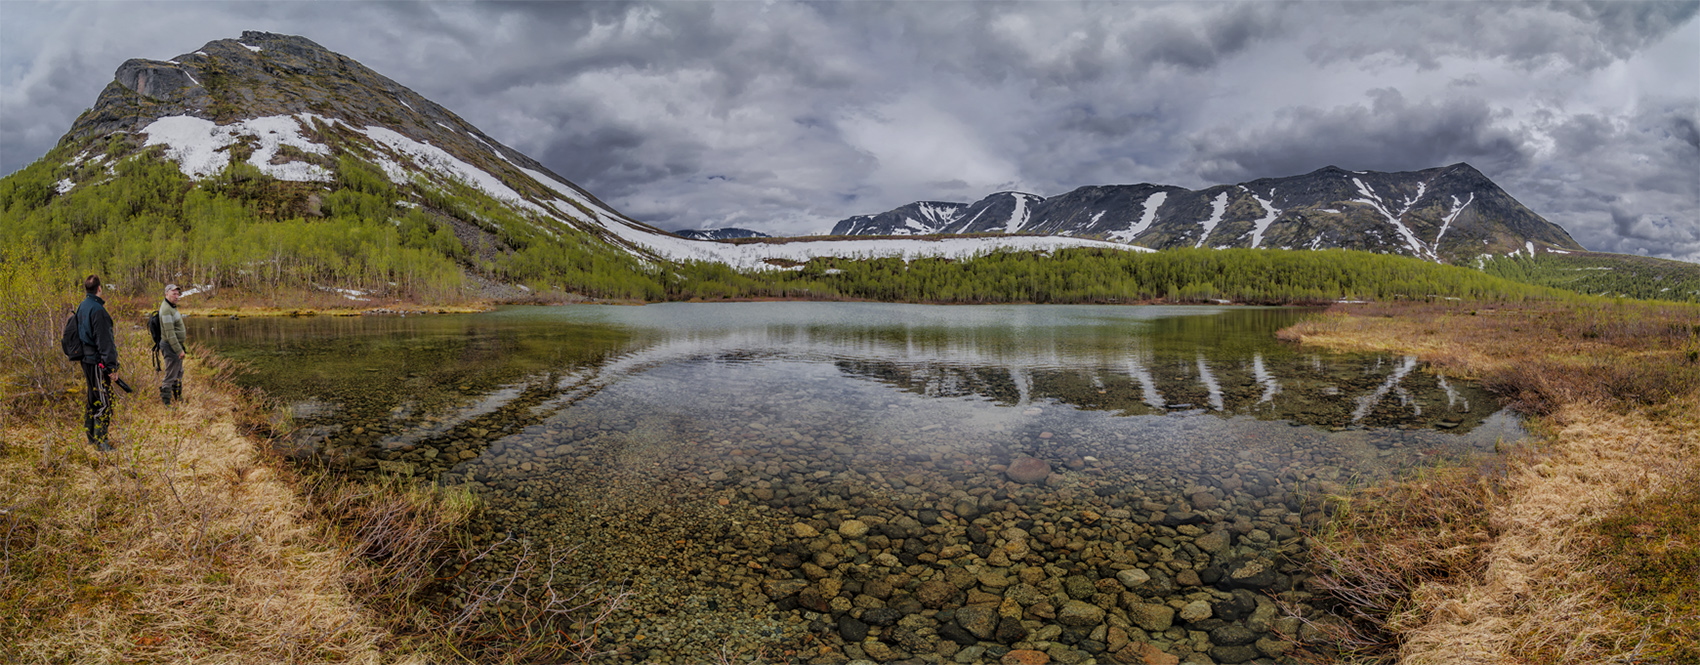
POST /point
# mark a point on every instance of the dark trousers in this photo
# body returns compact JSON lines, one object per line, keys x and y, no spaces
{"x":97,"y":412}
{"x":173,"y":367}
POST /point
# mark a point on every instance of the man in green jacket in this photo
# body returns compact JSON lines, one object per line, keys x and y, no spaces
{"x":172,"y":337}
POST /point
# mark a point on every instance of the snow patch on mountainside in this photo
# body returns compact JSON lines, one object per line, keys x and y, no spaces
{"x":1217,"y":207}
{"x":1148,"y":214}
{"x":1457,"y":209}
{"x":439,"y":160}
{"x":1262,"y":223}
{"x":1374,"y":201}
{"x":199,"y":146}
{"x":1018,"y":218}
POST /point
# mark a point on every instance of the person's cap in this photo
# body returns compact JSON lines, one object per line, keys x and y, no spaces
{"x":172,"y":287}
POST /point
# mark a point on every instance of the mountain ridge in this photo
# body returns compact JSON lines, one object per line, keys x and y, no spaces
{"x":1450,"y":213}
{"x":292,"y":110}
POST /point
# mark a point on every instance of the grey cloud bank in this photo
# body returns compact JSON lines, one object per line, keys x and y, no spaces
{"x":785,"y":117}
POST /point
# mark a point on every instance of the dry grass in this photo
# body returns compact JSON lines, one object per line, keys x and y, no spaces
{"x":190,"y":543}
{"x":1523,"y":564}
{"x":181,"y":546}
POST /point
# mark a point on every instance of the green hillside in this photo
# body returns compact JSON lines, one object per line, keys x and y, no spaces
{"x":1602,"y":274}
{"x":133,"y":216}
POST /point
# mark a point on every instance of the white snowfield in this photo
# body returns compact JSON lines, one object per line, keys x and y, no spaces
{"x":198,"y":146}
{"x":1018,"y":218}
{"x":1457,"y":209}
{"x":1147,"y":214}
{"x":1217,"y":207}
{"x":1374,"y":201}
{"x":1270,"y":212}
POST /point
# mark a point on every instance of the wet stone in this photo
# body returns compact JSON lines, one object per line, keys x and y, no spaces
{"x":979,"y":620}
{"x":1152,"y":616}
{"x":1009,"y":631}
{"x":1232,"y":635}
{"x":1080,"y":613}
{"x":1233,"y":654}
{"x":1028,"y":470}
{"x":883,"y":616}
{"x":935,"y":593}
{"x":958,"y":634}
{"x":851,"y":630}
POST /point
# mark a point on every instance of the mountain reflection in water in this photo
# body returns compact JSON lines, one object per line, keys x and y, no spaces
{"x":714,"y":457}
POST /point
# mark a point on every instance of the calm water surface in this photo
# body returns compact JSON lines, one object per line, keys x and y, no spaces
{"x":829,"y":480}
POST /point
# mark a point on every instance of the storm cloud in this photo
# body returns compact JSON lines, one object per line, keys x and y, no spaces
{"x":785,"y":117}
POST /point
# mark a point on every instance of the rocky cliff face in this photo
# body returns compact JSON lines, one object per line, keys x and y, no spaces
{"x":1451,"y":213}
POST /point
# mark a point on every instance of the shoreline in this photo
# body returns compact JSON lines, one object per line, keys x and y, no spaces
{"x":1520,"y":567}
{"x":1482,"y":618}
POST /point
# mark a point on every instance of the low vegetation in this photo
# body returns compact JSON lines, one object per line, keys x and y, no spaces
{"x":1595,"y":273}
{"x":131,"y":215}
{"x":192,"y":542}
{"x":1580,"y":548}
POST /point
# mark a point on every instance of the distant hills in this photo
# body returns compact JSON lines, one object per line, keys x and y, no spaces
{"x":1450,"y":213}
{"x":729,"y":233}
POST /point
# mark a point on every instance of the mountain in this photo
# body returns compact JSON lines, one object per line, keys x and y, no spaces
{"x":1450,"y":213}
{"x":276,"y":158}
{"x":729,"y":233}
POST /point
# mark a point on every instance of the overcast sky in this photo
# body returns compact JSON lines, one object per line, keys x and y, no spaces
{"x":786,"y":117}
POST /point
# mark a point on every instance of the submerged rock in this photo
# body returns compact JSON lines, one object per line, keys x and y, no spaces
{"x":1028,"y":470}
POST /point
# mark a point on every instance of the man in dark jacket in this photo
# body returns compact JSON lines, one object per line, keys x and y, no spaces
{"x":100,"y":362}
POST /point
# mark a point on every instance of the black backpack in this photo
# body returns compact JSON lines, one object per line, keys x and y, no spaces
{"x":71,"y":342}
{"x":153,"y":329}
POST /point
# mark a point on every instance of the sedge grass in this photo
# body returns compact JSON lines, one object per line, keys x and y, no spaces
{"x":182,"y":545}
{"x":1546,"y":559}
{"x":192,"y":543}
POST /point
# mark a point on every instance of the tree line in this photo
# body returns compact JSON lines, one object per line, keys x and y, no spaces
{"x":136,"y":218}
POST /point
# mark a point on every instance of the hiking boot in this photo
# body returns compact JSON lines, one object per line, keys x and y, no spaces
{"x":165,"y":396}
{"x":177,"y":393}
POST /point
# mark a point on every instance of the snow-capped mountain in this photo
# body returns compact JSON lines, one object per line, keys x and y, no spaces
{"x":1451,"y":213}
{"x":728,"y":233}
{"x":292,"y":109}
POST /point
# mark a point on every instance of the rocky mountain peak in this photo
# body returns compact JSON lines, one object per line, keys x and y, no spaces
{"x":1449,"y":213}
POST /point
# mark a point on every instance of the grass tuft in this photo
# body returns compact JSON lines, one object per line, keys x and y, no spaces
{"x":1581,"y":548}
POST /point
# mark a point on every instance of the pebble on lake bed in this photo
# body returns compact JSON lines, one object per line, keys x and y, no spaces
{"x":1028,"y":470}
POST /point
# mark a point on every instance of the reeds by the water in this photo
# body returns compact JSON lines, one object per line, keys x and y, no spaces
{"x":190,"y":542}
{"x":1546,"y":558}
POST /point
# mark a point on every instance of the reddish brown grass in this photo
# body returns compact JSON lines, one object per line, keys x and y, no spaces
{"x":1525,"y":565}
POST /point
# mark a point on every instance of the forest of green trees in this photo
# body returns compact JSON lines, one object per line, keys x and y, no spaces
{"x":137,"y":219}
{"x":1611,"y":275}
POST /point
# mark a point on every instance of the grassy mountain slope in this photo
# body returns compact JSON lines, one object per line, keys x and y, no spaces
{"x":1602,"y":274}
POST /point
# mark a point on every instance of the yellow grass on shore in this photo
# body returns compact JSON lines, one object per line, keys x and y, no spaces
{"x":261,"y":310}
{"x":1618,"y":393}
{"x":181,"y":546}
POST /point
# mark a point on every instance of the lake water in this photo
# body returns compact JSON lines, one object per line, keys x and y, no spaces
{"x":835,"y":481}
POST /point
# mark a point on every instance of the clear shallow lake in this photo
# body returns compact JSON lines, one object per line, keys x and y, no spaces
{"x":832,"y":479}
